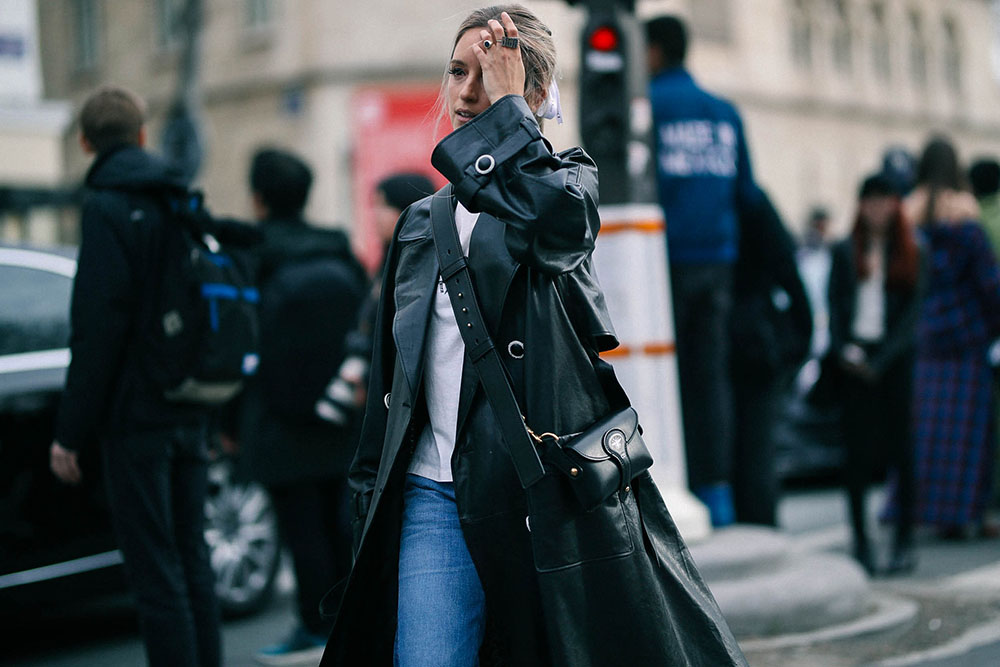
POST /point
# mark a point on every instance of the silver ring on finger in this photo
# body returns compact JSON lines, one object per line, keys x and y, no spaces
{"x":509,"y":42}
{"x":487,"y":44}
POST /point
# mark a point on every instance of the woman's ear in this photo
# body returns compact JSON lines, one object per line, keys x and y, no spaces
{"x":535,"y":99}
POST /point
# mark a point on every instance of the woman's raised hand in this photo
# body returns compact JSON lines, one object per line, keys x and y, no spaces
{"x":503,"y":71}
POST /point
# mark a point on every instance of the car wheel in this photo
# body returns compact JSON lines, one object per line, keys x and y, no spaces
{"x":241,"y":531}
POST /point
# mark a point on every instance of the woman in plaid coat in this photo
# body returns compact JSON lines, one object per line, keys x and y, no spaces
{"x":953,"y":392}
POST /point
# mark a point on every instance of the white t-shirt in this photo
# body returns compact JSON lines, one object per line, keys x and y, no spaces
{"x":444,"y":354}
{"x":869,"y":313}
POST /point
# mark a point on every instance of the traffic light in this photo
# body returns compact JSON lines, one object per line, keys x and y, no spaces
{"x":604,"y":101}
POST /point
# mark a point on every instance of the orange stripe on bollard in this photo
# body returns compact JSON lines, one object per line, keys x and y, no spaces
{"x":642,"y":226}
{"x":647,"y":350}
{"x":652,"y":349}
{"x":620,"y":351}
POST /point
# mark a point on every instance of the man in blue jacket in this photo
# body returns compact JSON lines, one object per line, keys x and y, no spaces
{"x":703,"y":178}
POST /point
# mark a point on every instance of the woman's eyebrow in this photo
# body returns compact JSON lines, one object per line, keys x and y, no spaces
{"x":456,"y":62}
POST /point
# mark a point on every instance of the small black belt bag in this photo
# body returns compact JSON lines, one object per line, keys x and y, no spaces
{"x":598,"y":462}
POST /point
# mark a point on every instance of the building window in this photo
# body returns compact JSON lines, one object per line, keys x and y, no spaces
{"x":881,"y":51}
{"x":87,"y":34}
{"x":169,"y":23}
{"x":842,"y":42}
{"x":952,"y":55}
{"x":918,"y":51}
{"x":258,"y":14}
{"x":801,"y":25}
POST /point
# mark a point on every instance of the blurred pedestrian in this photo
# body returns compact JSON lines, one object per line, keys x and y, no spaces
{"x":899,"y":166}
{"x":703,"y":177}
{"x":311,"y":286}
{"x":953,"y":383}
{"x":875,"y":290}
{"x":771,"y":329}
{"x":344,"y":397}
{"x":154,"y":451}
{"x":459,"y":563}
{"x":814,"y":258}
{"x":984,"y":175}
{"x":817,"y":228}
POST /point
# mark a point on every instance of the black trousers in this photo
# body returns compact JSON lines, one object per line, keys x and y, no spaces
{"x":702,"y":296}
{"x":878,"y":430}
{"x":157,"y":483}
{"x":315,"y":522}
{"x":755,"y":481}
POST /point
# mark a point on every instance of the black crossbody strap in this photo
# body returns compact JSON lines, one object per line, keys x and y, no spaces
{"x":478,"y":344}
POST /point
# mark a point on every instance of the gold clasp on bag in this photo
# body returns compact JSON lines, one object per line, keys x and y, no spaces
{"x":539,"y":439}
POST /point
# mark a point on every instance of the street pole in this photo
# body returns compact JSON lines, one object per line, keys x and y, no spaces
{"x":631,"y":252}
{"x":181,"y":139}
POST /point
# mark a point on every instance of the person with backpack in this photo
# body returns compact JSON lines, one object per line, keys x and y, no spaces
{"x":311,"y":287}
{"x":153,"y":449}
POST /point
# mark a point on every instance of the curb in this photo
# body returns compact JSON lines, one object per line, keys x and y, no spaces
{"x":890,"y":611}
{"x":973,"y":638}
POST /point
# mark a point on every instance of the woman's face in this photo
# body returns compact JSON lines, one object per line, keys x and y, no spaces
{"x":464,"y":92}
{"x":878,"y":211}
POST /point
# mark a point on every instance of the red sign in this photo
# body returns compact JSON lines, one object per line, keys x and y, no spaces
{"x":395,"y":129}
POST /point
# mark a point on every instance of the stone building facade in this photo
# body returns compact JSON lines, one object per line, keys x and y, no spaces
{"x":824,"y":85}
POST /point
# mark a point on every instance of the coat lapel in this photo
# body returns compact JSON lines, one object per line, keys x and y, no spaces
{"x":416,"y":277}
{"x":492,"y":267}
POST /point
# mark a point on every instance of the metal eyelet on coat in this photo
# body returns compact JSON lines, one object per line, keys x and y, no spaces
{"x":515,"y":348}
{"x":490,"y":163}
{"x":386,"y":399}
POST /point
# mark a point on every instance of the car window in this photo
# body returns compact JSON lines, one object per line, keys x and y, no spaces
{"x":34,"y":310}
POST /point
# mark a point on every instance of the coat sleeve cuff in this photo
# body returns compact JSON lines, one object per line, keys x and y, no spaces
{"x":473,"y":154}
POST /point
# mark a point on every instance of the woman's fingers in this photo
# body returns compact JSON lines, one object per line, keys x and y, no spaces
{"x":503,"y":71}
{"x":508,"y":24}
{"x":496,"y":29}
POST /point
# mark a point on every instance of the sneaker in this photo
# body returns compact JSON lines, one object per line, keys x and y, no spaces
{"x":301,"y":647}
{"x":718,"y":497}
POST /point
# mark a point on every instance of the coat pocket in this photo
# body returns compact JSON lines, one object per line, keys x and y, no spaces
{"x":563,"y":535}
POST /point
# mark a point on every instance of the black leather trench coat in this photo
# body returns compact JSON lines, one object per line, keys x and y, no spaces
{"x":564,"y":591}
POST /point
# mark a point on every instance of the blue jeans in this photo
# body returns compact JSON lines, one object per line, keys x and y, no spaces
{"x":442,"y":608}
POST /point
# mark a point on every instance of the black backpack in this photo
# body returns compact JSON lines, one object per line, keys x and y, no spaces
{"x":203,"y":329}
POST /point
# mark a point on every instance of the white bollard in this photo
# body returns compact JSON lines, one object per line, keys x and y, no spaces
{"x":631,"y":261}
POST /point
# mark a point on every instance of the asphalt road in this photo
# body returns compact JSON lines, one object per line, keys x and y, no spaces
{"x":957,"y":585}
{"x":105,"y":634}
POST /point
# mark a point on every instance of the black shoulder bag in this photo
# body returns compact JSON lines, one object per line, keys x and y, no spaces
{"x":598,"y":462}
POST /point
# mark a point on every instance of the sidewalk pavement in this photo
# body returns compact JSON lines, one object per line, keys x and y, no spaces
{"x":794,"y":597}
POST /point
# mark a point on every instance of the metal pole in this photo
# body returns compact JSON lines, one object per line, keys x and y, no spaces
{"x":631,"y":259}
{"x":182,"y":144}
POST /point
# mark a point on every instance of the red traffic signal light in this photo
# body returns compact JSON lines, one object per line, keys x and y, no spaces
{"x":604,"y":38}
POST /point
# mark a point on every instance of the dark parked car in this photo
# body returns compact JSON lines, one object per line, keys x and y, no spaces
{"x":55,"y":540}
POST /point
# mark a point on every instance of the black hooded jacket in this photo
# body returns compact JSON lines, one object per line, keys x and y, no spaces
{"x":122,"y":233}
{"x":311,"y":288}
